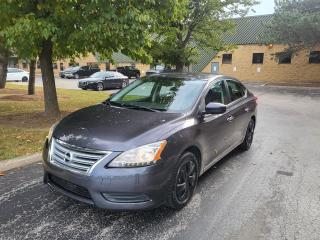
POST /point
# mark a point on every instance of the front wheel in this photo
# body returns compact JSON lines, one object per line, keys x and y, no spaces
{"x":100,"y":87}
{"x":247,"y":142}
{"x":76,"y":76}
{"x":24,"y":79}
{"x":183,"y":182}
{"x":124,"y":84}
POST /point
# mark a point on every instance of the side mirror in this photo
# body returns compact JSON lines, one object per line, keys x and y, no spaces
{"x":215,"y":108}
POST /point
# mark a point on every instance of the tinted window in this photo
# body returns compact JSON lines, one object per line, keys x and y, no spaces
{"x":99,"y":75}
{"x":161,"y":93}
{"x":257,"y":58}
{"x":236,"y":90}
{"x":217,"y":94}
{"x":227,"y":58}
{"x":285,"y":58}
{"x":314,"y":57}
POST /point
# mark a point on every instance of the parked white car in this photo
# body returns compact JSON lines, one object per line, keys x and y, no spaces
{"x":16,"y":74}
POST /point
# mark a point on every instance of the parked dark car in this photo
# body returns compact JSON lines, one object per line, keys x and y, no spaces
{"x":129,"y":71}
{"x":104,"y":80}
{"x":78,"y":72}
{"x":61,"y":74}
{"x":148,"y":144}
{"x":159,"y":69}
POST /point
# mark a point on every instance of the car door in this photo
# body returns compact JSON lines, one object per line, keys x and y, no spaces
{"x":213,"y":127}
{"x":237,"y":113}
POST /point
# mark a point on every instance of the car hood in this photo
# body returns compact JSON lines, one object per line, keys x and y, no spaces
{"x":103,"y":127}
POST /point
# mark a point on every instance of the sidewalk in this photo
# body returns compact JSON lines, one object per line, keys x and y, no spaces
{"x":9,"y":164}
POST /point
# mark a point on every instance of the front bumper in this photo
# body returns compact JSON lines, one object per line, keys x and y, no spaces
{"x":87,"y":85}
{"x":113,"y":188}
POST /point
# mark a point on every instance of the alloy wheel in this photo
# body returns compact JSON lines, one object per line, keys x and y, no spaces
{"x":100,"y":87}
{"x":186,"y":181}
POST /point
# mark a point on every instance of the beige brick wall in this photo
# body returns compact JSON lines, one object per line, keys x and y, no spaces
{"x":270,"y":71}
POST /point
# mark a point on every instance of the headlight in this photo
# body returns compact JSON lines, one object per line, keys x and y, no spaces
{"x":51,"y":131}
{"x":141,"y":156}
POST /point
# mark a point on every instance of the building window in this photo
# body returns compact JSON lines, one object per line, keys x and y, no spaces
{"x":93,"y":64}
{"x":73,"y":64}
{"x":54,"y":65}
{"x":226,"y":58}
{"x":285,"y":58}
{"x":257,"y":58}
{"x":38,"y":65}
{"x":61,"y":66}
{"x":24,"y":65}
{"x":314,"y":57}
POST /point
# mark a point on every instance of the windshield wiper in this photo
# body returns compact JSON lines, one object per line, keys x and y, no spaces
{"x":132,"y":106}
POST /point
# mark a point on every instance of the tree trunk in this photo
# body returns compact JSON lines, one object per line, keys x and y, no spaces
{"x":179,"y":66}
{"x":32,"y":76}
{"x":49,"y":87}
{"x":4,"y":57}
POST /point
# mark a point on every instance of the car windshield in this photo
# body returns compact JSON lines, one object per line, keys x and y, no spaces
{"x":159,"y":94}
{"x":99,"y":75}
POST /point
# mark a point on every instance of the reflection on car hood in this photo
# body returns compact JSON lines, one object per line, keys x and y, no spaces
{"x":104,"y":127}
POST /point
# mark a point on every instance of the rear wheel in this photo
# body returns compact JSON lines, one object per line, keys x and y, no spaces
{"x":100,"y":86}
{"x":24,"y":79}
{"x":247,"y":142}
{"x":183,"y":182}
{"x":76,"y":76}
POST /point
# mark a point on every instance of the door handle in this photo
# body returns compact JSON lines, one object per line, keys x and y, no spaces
{"x":247,"y":109}
{"x":230,"y":118}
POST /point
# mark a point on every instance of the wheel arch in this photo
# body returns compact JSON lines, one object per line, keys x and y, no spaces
{"x":196,"y":151}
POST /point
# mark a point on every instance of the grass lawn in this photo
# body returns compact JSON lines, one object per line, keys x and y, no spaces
{"x":23,"y":124}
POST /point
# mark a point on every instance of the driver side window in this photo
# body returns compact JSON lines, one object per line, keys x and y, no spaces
{"x":217,"y":93}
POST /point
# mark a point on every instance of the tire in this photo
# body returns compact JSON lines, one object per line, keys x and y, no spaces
{"x":24,"y":79}
{"x":84,"y":88}
{"x":100,"y":86}
{"x":182,"y":187}
{"x":124,"y":84}
{"x":247,"y":142}
{"x":76,"y":76}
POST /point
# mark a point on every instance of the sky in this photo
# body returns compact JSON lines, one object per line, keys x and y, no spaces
{"x":265,"y":7}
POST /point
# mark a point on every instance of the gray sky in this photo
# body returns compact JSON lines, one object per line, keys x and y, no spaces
{"x":265,"y":7}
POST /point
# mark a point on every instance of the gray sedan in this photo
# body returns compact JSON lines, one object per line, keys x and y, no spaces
{"x":104,"y":80}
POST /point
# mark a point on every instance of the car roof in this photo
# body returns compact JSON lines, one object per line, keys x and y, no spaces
{"x":188,"y":76}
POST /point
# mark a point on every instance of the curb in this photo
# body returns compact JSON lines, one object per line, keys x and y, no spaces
{"x":9,"y":164}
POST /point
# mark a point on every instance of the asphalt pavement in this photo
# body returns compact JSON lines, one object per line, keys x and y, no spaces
{"x":271,"y":191}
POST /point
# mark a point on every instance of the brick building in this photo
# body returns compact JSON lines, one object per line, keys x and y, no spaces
{"x":119,"y":59}
{"x":252,"y":61}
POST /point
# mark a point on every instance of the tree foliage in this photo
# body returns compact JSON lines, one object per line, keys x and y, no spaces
{"x":55,"y":29}
{"x":296,"y":23}
{"x":194,"y":24}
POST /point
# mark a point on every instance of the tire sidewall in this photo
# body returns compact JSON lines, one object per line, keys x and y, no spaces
{"x":172,"y":200}
{"x":100,"y":85}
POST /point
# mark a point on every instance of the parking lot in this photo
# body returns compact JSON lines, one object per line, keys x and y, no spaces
{"x":269,"y":192}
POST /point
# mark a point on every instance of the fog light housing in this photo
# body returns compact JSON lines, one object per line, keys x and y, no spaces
{"x":125,"y":197}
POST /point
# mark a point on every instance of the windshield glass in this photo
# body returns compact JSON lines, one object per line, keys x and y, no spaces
{"x":160,"y":93}
{"x":99,"y":75}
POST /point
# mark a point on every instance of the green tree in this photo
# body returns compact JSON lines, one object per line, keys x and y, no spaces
{"x":55,"y":29}
{"x":296,"y":23}
{"x":195,"y":24}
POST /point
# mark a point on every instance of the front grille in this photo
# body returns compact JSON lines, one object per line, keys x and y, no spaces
{"x":75,"y":159}
{"x":69,"y":187}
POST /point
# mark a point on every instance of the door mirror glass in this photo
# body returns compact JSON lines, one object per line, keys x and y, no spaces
{"x":215,"y":108}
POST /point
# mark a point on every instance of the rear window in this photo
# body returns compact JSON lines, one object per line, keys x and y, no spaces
{"x":236,"y":90}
